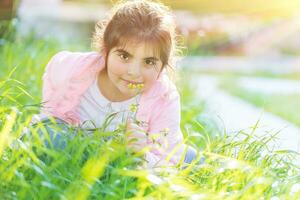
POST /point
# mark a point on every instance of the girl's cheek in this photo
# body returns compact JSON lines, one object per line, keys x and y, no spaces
{"x":119,"y":68}
{"x":121,"y":65}
{"x":152,"y":75}
{"x":150,"y":78}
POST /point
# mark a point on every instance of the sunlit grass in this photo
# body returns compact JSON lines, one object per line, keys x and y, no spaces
{"x":23,"y":61}
{"x":92,"y":167}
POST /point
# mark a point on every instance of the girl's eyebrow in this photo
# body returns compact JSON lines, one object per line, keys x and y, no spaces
{"x":130,"y":55}
{"x":123,"y":51}
{"x":152,"y":58}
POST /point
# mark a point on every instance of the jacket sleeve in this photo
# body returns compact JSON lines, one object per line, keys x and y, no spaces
{"x":55,"y":75}
{"x":53,"y":79}
{"x":66,"y":76}
{"x":62,"y":67}
{"x":165,"y":137}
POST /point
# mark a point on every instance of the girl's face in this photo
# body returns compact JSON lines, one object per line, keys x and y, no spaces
{"x":131,"y":65}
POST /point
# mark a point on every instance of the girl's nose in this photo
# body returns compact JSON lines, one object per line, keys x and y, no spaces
{"x":134,"y":70}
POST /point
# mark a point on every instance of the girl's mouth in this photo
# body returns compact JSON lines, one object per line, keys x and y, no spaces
{"x":132,"y":82}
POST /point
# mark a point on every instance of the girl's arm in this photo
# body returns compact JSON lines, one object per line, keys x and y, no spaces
{"x":164,"y":137}
{"x":49,"y":86}
{"x":54,"y":79}
{"x":165,"y":134}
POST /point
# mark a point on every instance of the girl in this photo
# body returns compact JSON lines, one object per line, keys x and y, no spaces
{"x":134,"y":51}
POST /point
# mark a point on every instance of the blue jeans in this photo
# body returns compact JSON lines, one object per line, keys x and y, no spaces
{"x":59,"y":140}
{"x":191,"y":154}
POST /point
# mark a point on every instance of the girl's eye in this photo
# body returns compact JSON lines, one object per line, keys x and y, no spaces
{"x":124,"y":56}
{"x":150,"y":62}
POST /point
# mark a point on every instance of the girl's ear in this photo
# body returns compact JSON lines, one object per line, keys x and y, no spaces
{"x":104,"y":54}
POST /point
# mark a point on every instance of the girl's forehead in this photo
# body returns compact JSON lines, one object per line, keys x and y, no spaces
{"x":143,"y":48}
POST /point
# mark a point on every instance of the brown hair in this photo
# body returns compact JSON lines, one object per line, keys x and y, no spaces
{"x":139,"y":20}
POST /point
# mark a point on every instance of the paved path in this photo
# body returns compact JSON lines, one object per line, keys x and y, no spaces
{"x":237,"y":115}
{"x":274,"y":65}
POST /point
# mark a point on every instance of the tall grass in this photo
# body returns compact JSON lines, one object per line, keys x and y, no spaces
{"x":91,"y":166}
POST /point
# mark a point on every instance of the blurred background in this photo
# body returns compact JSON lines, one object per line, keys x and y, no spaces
{"x":246,"y":29}
{"x":243,"y":55}
{"x":231,"y":28}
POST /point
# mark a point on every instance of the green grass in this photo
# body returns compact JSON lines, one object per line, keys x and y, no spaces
{"x":91,"y":167}
{"x":23,"y":61}
{"x":281,"y":105}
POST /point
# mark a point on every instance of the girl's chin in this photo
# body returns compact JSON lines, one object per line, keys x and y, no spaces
{"x":127,"y":92}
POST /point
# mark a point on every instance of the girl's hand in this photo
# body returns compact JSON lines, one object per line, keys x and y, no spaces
{"x":135,"y":136}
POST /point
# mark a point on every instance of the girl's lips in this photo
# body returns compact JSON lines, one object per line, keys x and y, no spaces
{"x":132,"y":82}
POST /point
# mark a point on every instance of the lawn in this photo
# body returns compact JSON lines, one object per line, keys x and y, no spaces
{"x":92,"y":167}
{"x":282,"y":105}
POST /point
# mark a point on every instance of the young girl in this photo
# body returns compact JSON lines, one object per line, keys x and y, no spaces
{"x":134,"y":51}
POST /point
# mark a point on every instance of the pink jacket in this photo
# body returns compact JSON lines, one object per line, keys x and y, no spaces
{"x":68,"y":75}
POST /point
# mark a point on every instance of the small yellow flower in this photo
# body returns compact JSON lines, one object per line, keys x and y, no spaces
{"x":165,"y":131}
{"x":140,"y":86}
{"x":130,"y":85}
{"x":121,"y":126}
{"x":135,"y":86}
{"x":133,"y":107}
